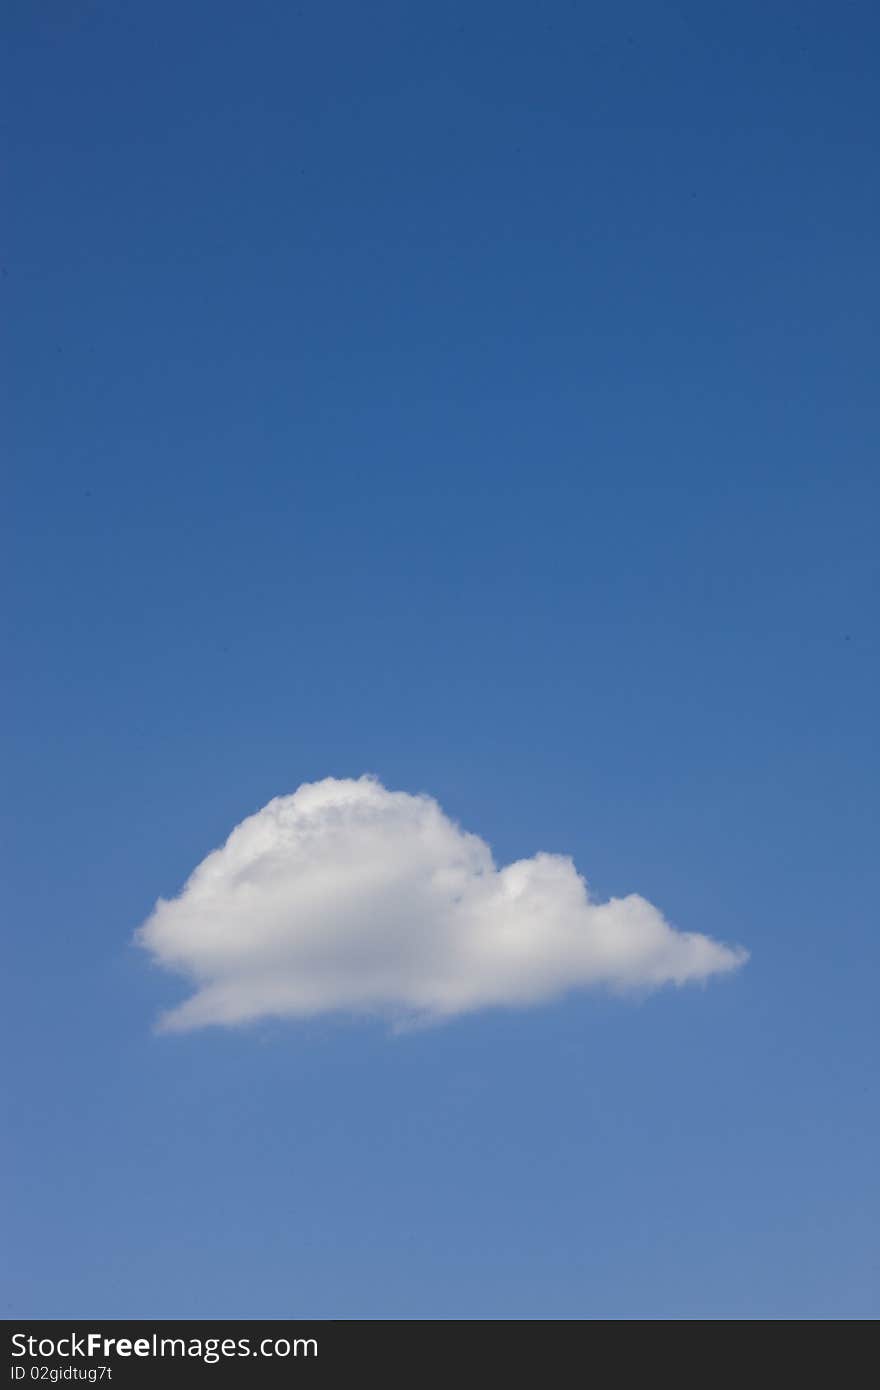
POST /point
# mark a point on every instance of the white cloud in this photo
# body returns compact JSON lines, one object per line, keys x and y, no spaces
{"x":346,"y":896}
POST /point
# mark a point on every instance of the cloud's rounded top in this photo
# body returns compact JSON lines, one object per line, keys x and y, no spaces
{"x":347,"y":896}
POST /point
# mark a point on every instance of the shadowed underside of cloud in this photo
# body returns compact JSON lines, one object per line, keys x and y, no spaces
{"x":346,"y":896}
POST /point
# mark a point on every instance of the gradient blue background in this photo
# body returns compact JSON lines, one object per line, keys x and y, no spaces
{"x":483,"y":395}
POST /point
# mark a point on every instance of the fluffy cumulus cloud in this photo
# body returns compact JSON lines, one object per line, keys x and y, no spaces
{"x":347,"y":896}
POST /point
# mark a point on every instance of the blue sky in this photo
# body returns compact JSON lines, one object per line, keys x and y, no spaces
{"x":482,"y":396}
